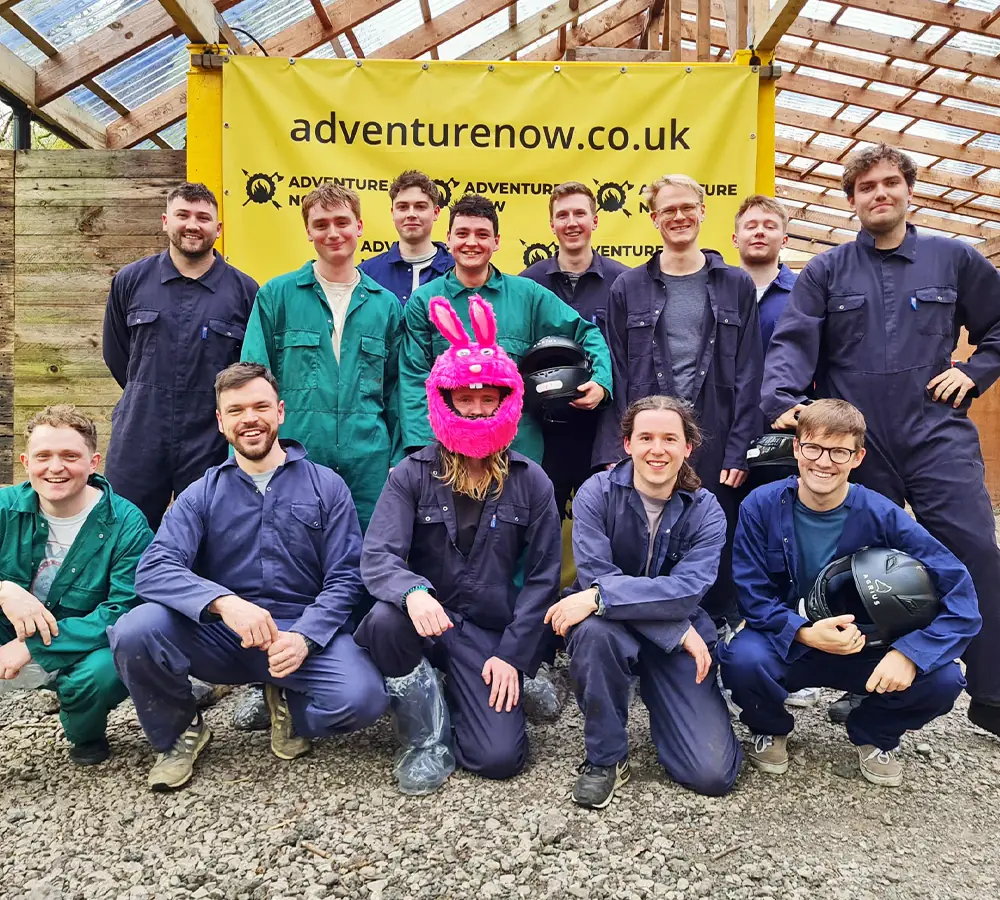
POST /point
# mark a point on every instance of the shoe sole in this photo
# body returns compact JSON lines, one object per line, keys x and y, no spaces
{"x":801,"y":704}
{"x":882,"y":780}
{"x":161,"y":786}
{"x":768,"y":768}
{"x":272,"y":709}
{"x":620,"y":781}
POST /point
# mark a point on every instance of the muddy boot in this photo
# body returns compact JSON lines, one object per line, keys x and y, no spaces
{"x":423,"y":729}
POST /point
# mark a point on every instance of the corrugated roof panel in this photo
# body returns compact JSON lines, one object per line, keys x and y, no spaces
{"x":988,"y":202}
{"x":144,"y":75}
{"x":932,"y":190}
{"x":831,"y":170}
{"x":265,"y":18}
{"x":975,"y":43}
{"x":791,"y":133}
{"x":399,"y":19}
{"x":64,"y":22}
{"x":958,"y":196}
{"x":176,"y":134}
{"x":93,"y":104}
{"x":781,"y":158}
{"x":805,"y":103}
{"x":939,"y":132}
{"x":826,"y":75}
{"x":442,"y":6}
{"x":887,"y":25}
{"x":834,"y":141}
{"x":883,"y":88}
{"x":891,"y":121}
{"x":473,"y":37}
{"x":981,"y":5}
{"x":852,"y":52}
{"x":988,"y":141}
{"x":820,"y":10}
{"x":957,"y":167}
{"x":990,"y":175}
{"x":854,"y":114}
{"x":18,"y":44}
{"x":596,"y":11}
{"x":933,"y":34}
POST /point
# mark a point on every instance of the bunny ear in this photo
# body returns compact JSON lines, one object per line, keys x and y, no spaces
{"x":448,"y":322}
{"x":484,"y":323}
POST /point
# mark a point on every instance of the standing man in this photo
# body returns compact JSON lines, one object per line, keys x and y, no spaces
{"x":414,"y":259}
{"x":685,"y":324}
{"x":583,"y":279}
{"x":68,"y":550}
{"x":330,"y":335}
{"x":761,"y":234}
{"x":253,"y":577}
{"x":173,"y":322}
{"x":875,"y":322}
{"x":525,"y":312}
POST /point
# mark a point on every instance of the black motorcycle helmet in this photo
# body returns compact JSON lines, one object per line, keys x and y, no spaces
{"x":773,"y":450}
{"x":888,"y":592}
{"x":553,"y":369}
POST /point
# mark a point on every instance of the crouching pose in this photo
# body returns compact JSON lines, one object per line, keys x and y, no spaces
{"x":462,"y":556}
{"x":795,"y":539}
{"x":252,"y":577}
{"x":68,"y":551}
{"x":647,"y":540}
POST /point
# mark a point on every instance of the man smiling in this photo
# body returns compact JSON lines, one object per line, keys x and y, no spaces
{"x":788,"y":532}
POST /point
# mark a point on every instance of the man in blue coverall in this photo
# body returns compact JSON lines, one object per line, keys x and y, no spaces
{"x":172,"y":323}
{"x":581,"y":278}
{"x":788,"y":532}
{"x":414,"y":259}
{"x":252,"y":577}
{"x":647,"y":540}
{"x":685,"y":324}
{"x":875,"y":322}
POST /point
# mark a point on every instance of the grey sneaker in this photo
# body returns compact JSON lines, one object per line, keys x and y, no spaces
{"x":769,"y":753}
{"x":805,"y":697}
{"x":880,"y":766}
{"x":174,"y":768}
{"x":285,"y":743}
{"x":596,"y":785}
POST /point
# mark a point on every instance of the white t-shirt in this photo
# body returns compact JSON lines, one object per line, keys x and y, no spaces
{"x":62,"y":533}
{"x":761,"y":291}
{"x":338,"y":296}
{"x":419,"y":263}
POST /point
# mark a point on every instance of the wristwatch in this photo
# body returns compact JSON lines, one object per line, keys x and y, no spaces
{"x":311,"y":645}
{"x":601,"y":608}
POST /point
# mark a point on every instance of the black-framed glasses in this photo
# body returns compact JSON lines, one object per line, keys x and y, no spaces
{"x":838,"y":455}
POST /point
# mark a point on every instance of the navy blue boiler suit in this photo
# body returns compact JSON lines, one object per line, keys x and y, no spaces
{"x":411,"y":542}
{"x":395,"y":274}
{"x":763,"y":663}
{"x":645,"y":618}
{"x":726,"y":389}
{"x":569,"y":445}
{"x":874,"y":329}
{"x":293,"y":549}
{"x":166,"y":337}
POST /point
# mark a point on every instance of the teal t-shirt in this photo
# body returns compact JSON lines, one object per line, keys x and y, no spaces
{"x":816,"y":537}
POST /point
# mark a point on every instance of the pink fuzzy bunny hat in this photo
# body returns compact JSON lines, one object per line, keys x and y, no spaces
{"x":482,"y":363}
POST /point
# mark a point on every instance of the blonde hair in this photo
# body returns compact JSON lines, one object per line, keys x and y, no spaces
{"x":768,"y":204}
{"x":650,"y":191}
{"x":328,"y":196}
{"x":455,"y":473}
{"x":830,"y":417}
{"x":65,"y":415}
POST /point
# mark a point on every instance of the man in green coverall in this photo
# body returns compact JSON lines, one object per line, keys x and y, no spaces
{"x":525,"y":313}
{"x":330,"y":334}
{"x":68,"y":550}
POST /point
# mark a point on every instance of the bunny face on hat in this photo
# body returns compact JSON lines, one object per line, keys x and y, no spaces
{"x":472,"y":364}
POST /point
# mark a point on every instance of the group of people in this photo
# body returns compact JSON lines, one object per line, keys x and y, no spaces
{"x":358,"y":499}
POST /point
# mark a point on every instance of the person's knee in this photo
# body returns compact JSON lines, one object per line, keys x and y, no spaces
{"x":132,"y":633}
{"x":746,"y":657}
{"x":713,"y":776}
{"x":352,"y":706}
{"x":594,"y":636}
{"x":91,"y":682}
{"x":943,"y":686}
{"x":497,"y":760}
{"x":369,"y":700}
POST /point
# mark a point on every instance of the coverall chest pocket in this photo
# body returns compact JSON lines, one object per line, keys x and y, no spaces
{"x":224,"y":342}
{"x":298,"y":357}
{"x":299,"y":524}
{"x":506,"y":533}
{"x":936,"y":310}
{"x":80,"y":601}
{"x":727,"y":333}
{"x":515,"y":347}
{"x":777,"y":569}
{"x":639,"y":328}
{"x":372,"y":365}
{"x":142,"y":331}
{"x":845,"y":327}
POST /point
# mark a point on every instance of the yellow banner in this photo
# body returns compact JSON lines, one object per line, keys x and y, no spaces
{"x":508,"y":130}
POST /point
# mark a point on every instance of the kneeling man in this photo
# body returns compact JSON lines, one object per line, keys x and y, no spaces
{"x":647,"y":540}
{"x":463,"y":557}
{"x":788,"y":533}
{"x":68,"y":550}
{"x":252,"y":577}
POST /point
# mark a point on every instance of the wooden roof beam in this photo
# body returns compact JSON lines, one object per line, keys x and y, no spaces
{"x":775,"y":22}
{"x":590,"y":31}
{"x":550,"y":19}
{"x":929,"y":12}
{"x":441,"y":28}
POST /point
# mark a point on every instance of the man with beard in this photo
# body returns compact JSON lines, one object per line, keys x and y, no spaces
{"x":252,"y":577}
{"x":875,"y":322}
{"x":173,"y":322}
{"x":463,"y":558}
{"x":414,"y":259}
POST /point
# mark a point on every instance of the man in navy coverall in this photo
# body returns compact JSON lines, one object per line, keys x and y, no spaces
{"x":685,"y":324}
{"x":252,"y":577}
{"x":647,"y":540}
{"x":172,"y":323}
{"x":788,"y":532}
{"x":875,"y":322}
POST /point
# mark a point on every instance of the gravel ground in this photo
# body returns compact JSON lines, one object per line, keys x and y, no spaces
{"x":250,"y":827}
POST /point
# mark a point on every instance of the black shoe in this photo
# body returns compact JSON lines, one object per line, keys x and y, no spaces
{"x":90,"y":753}
{"x":596,"y":785}
{"x":985,"y":716}
{"x":840,"y":709}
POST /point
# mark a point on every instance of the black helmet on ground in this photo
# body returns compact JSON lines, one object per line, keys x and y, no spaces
{"x":553,"y":369}
{"x":773,"y":450}
{"x":888,"y":592}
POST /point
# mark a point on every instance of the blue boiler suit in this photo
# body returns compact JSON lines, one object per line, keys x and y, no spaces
{"x":569,"y":445}
{"x":763,"y":663}
{"x":411,"y":542}
{"x":873,"y":329}
{"x":645,"y":618}
{"x":395,"y":274}
{"x":725,"y":391}
{"x":295,"y":551}
{"x":166,"y":337}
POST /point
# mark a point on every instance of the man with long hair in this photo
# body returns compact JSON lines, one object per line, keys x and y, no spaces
{"x":456,"y":524}
{"x":647,"y":538}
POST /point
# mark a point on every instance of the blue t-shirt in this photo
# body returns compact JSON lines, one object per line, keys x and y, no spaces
{"x":816,"y":537}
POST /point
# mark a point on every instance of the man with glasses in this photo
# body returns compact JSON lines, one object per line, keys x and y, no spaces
{"x":685,"y":324}
{"x":788,"y":532}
